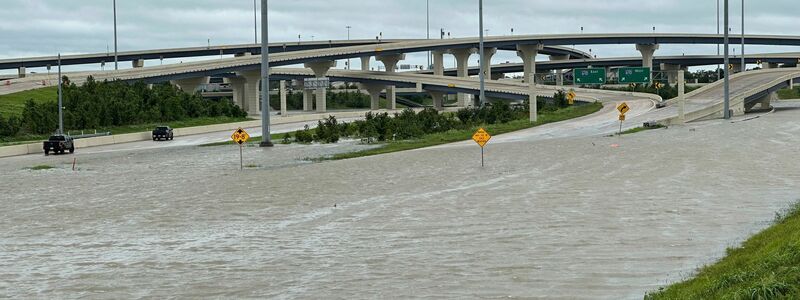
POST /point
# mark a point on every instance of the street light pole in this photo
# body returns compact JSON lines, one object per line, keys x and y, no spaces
{"x":116,"y":64}
{"x":255,"y":23}
{"x":483,"y":61}
{"x":428,"y":26}
{"x":266,"y":140}
{"x":726,"y":106}
{"x":718,"y":70}
{"x":60,"y":103}
{"x":744,"y":66}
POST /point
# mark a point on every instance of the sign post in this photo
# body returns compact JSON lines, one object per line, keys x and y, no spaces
{"x":622,"y":108}
{"x":481,"y":137}
{"x":571,"y":97}
{"x":240,"y":137}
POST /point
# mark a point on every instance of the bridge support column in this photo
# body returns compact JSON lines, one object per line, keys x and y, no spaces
{"x":365,"y":63}
{"x":462,"y":70}
{"x":791,"y":83}
{"x":137,"y":63}
{"x":765,"y":102}
{"x":438,"y":62}
{"x":498,"y":76}
{"x":237,"y":85}
{"x":308,"y":97}
{"x":320,"y":69}
{"x":438,"y":99}
{"x":374,"y":91}
{"x":191,"y":85}
{"x":736,"y":68}
{"x":647,"y":50}
{"x":284,"y":109}
{"x":560,"y":72}
{"x":672,"y":72}
{"x":769,"y":65}
{"x":487,"y":61}
{"x":528,"y":54}
{"x":390,"y":62}
{"x":21,"y":73}
{"x":252,"y":93}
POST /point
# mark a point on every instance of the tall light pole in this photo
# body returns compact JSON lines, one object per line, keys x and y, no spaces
{"x":744,"y":66}
{"x":116,"y":64}
{"x":266,"y":140}
{"x":60,"y":103}
{"x":428,"y":26}
{"x":727,"y":101}
{"x":718,"y":70}
{"x":255,"y":23}
{"x":483,"y":61}
{"x":348,"y":38}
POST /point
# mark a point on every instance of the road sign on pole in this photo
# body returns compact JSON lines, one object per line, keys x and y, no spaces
{"x":634,"y":75}
{"x":481,"y":137}
{"x":571,"y":97}
{"x":623,"y":108}
{"x":590,"y":76}
{"x":240,"y":137}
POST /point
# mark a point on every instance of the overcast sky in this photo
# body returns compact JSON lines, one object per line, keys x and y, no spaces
{"x":46,"y":27}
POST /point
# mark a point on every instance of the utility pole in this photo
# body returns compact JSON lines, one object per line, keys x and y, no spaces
{"x":266,"y":140}
{"x":428,"y":26}
{"x":60,"y":103}
{"x":483,"y":61}
{"x":116,"y":63}
{"x":727,"y":101}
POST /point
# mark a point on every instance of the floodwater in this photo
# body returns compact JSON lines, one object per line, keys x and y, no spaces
{"x":570,"y":218}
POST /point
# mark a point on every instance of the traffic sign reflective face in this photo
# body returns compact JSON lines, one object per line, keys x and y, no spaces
{"x":623,"y":108}
{"x":634,"y":75}
{"x":590,"y":76}
{"x":240,"y":136}
{"x":481,"y":137}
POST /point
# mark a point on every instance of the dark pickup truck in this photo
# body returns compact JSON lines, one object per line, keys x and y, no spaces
{"x":58,"y":144}
{"x":162,"y":132}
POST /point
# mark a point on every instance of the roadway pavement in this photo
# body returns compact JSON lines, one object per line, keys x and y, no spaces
{"x":560,"y":218}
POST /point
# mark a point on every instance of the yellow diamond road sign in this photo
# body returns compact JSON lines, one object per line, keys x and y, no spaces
{"x":481,"y":137}
{"x":240,"y":136}
{"x":623,"y":108}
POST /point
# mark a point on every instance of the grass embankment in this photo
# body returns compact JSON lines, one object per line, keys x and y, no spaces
{"x":789,"y":93}
{"x":766,"y":266}
{"x":12,"y":104}
{"x":41,"y":167}
{"x":28,"y":138}
{"x":462,"y":135}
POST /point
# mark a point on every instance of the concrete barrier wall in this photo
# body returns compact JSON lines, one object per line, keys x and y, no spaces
{"x":35,"y":148}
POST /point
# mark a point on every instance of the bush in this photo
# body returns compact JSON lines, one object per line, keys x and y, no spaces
{"x":304,"y":135}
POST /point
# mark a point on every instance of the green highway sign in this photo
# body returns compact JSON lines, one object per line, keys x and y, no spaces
{"x":590,"y":76}
{"x":634,"y":75}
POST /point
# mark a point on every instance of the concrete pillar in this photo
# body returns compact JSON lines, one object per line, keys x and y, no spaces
{"x":528,"y":54}
{"x":737,"y":68}
{"x":672,"y":72}
{"x":191,"y":85}
{"x":374,"y":91}
{"x":438,"y":99}
{"x":365,"y":63}
{"x":390,"y":63}
{"x":487,"y":61}
{"x":438,"y":62}
{"x":647,"y":50}
{"x":251,"y":91}
{"x":237,"y":85}
{"x":321,"y":100}
{"x":462,"y":70}
{"x":137,"y":63}
{"x":321,"y":68}
{"x":498,"y":76}
{"x":559,"y":72}
{"x":242,"y":54}
{"x":21,"y":73}
{"x":308,"y":97}
{"x":681,"y":96}
{"x":284,"y":109}
{"x":791,"y":83}
{"x":532,"y":105}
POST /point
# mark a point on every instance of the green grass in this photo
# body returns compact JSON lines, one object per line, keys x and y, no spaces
{"x":766,"y":266}
{"x":27,"y":138}
{"x":640,"y":129}
{"x":41,"y":167}
{"x":789,"y":93}
{"x":462,"y":135}
{"x":12,"y":104}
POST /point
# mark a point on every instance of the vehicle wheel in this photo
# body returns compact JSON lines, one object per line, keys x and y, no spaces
{"x":72,"y":149}
{"x":171,"y":137}
{"x":154,"y":139}
{"x":46,"y":152}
